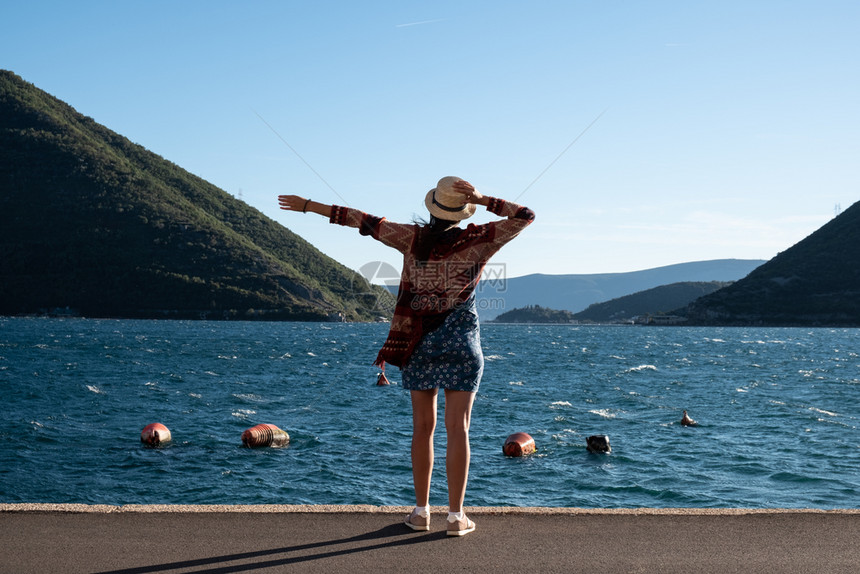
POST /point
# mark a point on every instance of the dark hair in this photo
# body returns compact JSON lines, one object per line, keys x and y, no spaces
{"x":429,"y":235}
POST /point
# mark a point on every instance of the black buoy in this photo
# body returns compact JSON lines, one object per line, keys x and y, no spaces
{"x":598,"y":444}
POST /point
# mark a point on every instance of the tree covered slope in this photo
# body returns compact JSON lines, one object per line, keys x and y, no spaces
{"x":94,"y":222}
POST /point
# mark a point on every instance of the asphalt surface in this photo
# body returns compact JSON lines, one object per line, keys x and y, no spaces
{"x":73,"y":539}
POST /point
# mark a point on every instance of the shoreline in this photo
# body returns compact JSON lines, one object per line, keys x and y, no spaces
{"x":81,"y":508}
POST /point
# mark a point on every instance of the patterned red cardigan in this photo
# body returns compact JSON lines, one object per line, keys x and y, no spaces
{"x":432,"y":289}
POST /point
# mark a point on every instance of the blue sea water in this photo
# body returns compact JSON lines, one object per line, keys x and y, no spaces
{"x":778,"y":413}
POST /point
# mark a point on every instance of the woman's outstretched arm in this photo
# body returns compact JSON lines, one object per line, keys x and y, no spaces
{"x":296,"y":203}
{"x":396,"y":235}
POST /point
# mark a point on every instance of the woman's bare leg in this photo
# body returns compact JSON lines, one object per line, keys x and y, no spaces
{"x":458,"y":414}
{"x":423,"y":426}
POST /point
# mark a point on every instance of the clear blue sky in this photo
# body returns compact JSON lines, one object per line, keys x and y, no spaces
{"x":731,"y":129}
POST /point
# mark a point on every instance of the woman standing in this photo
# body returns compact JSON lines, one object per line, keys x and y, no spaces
{"x":435,"y":336}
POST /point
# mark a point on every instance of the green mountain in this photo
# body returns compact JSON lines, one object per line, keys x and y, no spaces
{"x":98,"y":224}
{"x":663,"y":299}
{"x":534,"y":314}
{"x":815,"y":282}
{"x":575,"y":293}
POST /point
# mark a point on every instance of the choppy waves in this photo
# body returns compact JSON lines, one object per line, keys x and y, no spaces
{"x":777,"y":409}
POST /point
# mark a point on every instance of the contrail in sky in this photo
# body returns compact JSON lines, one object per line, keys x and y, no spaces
{"x":298,"y":155}
{"x":558,"y":157}
{"x":419,"y":23}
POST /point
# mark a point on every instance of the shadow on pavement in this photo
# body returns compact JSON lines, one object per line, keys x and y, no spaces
{"x":369,"y":541}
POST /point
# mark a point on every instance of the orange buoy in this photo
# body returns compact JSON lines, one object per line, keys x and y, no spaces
{"x":519,"y":444}
{"x":155,"y":434}
{"x":265,"y":435}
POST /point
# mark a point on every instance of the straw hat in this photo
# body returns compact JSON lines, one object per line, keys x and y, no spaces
{"x":444,"y":203}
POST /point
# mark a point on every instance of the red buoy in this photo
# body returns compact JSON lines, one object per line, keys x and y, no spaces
{"x":265,"y":435}
{"x":382,"y":380}
{"x":155,"y":434}
{"x":519,"y":444}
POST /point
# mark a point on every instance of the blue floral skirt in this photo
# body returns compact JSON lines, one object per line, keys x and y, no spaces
{"x":450,"y":356}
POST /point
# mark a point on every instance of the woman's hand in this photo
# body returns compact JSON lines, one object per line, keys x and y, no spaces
{"x":298,"y":203}
{"x":470,"y":194}
{"x":292,"y":202}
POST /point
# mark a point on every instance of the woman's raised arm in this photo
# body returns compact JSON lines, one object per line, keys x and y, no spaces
{"x":470,"y":194}
{"x":297,"y":203}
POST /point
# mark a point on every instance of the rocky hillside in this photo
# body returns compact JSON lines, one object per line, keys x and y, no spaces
{"x":815,"y":282}
{"x":663,"y":299}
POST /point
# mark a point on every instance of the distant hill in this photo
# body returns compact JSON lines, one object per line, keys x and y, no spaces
{"x":98,"y":224}
{"x":535,"y":314}
{"x":576,"y":292}
{"x":663,"y":299}
{"x":815,"y":282}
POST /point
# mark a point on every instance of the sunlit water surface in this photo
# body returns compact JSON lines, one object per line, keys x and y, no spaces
{"x":778,"y":413}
